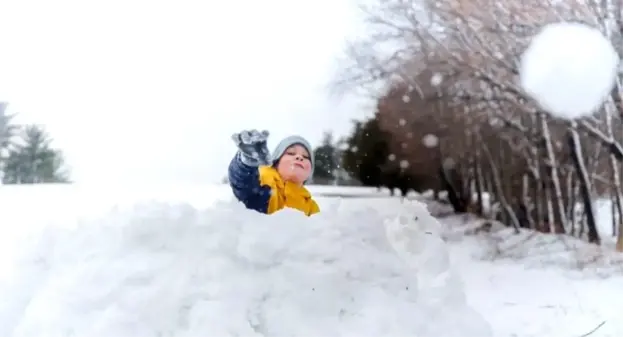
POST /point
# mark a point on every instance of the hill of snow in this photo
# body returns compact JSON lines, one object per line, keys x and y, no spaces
{"x":189,"y":262}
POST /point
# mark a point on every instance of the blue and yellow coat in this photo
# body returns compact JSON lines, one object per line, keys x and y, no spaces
{"x":262,"y":189}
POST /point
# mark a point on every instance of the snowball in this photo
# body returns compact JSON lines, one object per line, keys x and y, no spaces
{"x":430,"y":140}
{"x":569,"y":69}
{"x":402,"y":122}
{"x":406,"y":98}
{"x":404,"y":164}
{"x":392,"y":157}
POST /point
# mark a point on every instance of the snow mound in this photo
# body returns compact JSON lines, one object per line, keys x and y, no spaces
{"x":575,"y":256}
{"x":493,"y":241}
{"x":569,"y":69}
{"x":173,"y":270}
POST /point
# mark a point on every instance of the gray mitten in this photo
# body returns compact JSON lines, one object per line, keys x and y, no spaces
{"x":253,"y":147}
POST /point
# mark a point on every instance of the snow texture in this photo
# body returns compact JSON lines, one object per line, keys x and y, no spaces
{"x":162,"y":269}
{"x":430,"y":141}
{"x":436,"y":79}
{"x":535,"y":284}
{"x":569,"y":69}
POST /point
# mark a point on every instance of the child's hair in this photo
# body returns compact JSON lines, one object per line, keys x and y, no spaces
{"x":285,"y":143}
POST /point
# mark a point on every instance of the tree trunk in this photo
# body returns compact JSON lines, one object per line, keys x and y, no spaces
{"x":585,"y":184}
{"x":498,"y":186}
{"x":478,"y":182}
{"x":617,"y":202}
{"x":453,"y":195}
{"x":525,"y":199}
{"x":554,"y":175}
{"x":571,"y":200}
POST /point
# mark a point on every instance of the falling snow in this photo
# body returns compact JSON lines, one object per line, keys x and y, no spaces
{"x":436,"y":79}
{"x":430,"y":140}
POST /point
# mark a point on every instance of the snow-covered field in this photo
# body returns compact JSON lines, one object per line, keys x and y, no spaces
{"x":187,"y":261}
{"x":534,"y":284}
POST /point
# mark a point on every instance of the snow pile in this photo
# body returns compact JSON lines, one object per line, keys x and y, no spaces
{"x":492,"y":241}
{"x":347,"y":191}
{"x":571,"y":254}
{"x":569,"y":69}
{"x":173,"y":270}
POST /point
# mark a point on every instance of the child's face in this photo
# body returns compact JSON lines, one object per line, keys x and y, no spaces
{"x":295,"y":164}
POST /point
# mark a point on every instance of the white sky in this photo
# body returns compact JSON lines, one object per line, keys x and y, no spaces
{"x":151,"y":90}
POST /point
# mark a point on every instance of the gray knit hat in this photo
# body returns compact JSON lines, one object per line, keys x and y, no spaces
{"x":289,"y":141}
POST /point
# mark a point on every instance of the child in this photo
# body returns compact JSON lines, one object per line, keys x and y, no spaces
{"x":268,"y":183}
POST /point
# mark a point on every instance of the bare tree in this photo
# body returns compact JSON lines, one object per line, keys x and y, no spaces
{"x":449,"y":68}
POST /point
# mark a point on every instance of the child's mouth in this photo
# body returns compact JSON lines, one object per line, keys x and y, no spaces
{"x":299,"y":165}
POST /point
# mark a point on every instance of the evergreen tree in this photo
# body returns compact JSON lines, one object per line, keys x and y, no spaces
{"x":7,"y":131}
{"x":368,"y":150}
{"x":7,"y":128}
{"x":32,"y":160}
{"x":325,"y":159}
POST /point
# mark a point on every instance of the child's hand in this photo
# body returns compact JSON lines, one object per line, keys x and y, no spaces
{"x":253,"y":147}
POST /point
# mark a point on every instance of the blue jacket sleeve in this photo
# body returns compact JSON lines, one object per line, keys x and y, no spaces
{"x":245,"y":183}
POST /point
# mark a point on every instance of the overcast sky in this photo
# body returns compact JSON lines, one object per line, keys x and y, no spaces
{"x":151,"y":90}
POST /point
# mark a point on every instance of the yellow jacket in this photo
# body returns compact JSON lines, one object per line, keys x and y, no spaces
{"x":286,"y":194}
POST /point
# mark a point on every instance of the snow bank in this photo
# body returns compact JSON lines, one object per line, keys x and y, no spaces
{"x":536,"y":284}
{"x":575,"y":257}
{"x":157,"y":269}
{"x":359,"y":191}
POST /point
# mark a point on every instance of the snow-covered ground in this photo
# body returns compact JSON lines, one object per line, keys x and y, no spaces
{"x":535,"y":284}
{"x":187,"y":261}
